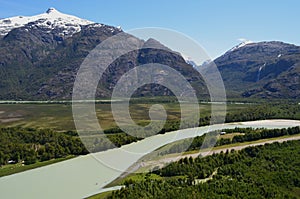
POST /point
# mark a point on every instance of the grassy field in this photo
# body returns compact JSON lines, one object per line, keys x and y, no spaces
{"x":19,"y":167}
{"x":226,"y":146}
{"x":103,"y":195}
{"x":229,"y":135}
{"x":59,"y":116}
{"x":56,"y":116}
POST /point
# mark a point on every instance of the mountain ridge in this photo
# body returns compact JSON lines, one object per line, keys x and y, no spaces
{"x":36,"y":63}
{"x":39,"y":60}
{"x":51,"y":19}
{"x":258,"y":70}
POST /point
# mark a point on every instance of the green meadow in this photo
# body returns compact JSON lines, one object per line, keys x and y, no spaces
{"x":59,"y":116}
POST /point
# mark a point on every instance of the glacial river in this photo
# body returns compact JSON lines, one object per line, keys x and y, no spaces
{"x":85,"y":175}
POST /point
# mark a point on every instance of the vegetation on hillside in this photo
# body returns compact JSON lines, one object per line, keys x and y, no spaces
{"x":32,"y":145}
{"x":239,"y":135}
{"x":269,"y":171}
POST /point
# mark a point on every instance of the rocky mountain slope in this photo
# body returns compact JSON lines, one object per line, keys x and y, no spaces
{"x":40,"y":57}
{"x":263,"y":69}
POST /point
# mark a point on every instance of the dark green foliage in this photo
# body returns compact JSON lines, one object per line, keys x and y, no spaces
{"x":270,"y":171}
{"x":253,"y":112}
{"x":249,"y":134}
{"x":31,"y":145}
{"x":110,"y":141}
{"x":262,"y":134}
{"x":286,"y":110}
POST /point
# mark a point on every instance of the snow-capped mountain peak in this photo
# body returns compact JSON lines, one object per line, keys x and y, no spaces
{"x":52,"y":10}
{"x":188,"y":60}
{"x":51,"y":19}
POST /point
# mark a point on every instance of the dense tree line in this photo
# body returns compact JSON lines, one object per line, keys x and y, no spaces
{"x":269,"y":171}
{"x":109,"y":141}
{"x":210,"y":139}
{"x":31,"y":145}
{"x":265,"y":111}
{"x":118,"y":138}
{"x":168,"y":127}
{"x":264,"y":133}
{"x":253,"y":112}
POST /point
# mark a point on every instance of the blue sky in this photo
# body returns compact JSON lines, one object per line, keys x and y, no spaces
{"x":216,"y":25}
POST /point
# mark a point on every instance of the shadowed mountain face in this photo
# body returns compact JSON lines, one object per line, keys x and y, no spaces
{"x":36,"y":64}
{"x":39,"y":61}
{"x":264,"y":70}
{"x":40,"y":57}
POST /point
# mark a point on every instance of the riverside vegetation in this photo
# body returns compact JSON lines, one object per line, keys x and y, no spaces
{"x":34,"y":145}
{"x":268,"y":171}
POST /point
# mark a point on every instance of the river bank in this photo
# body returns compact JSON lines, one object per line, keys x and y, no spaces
{"x":87,"y":175}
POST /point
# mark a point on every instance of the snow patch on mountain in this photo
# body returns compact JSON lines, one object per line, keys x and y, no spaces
{"x":189,"y":60}
{"x":51,"y":19}
{"x":244,"y":43}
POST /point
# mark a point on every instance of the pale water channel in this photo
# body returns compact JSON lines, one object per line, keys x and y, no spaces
{"x":84,"y":176}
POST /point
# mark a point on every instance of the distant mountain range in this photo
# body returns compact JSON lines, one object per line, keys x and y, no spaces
{"x":40,"y":57}
{"x":263,"y":70}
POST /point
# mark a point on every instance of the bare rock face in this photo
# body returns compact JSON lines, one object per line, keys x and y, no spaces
{"x":264,"y":70}
{"x":40,"y":57}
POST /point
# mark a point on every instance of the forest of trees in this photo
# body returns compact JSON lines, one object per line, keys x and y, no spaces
{"x":253,"y":112}
{"x":32,"y":145}
{"x":253,"y":135}
{"x":269,"y":171}
{"x":210,"y":140}
{"x":265,"y":111}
